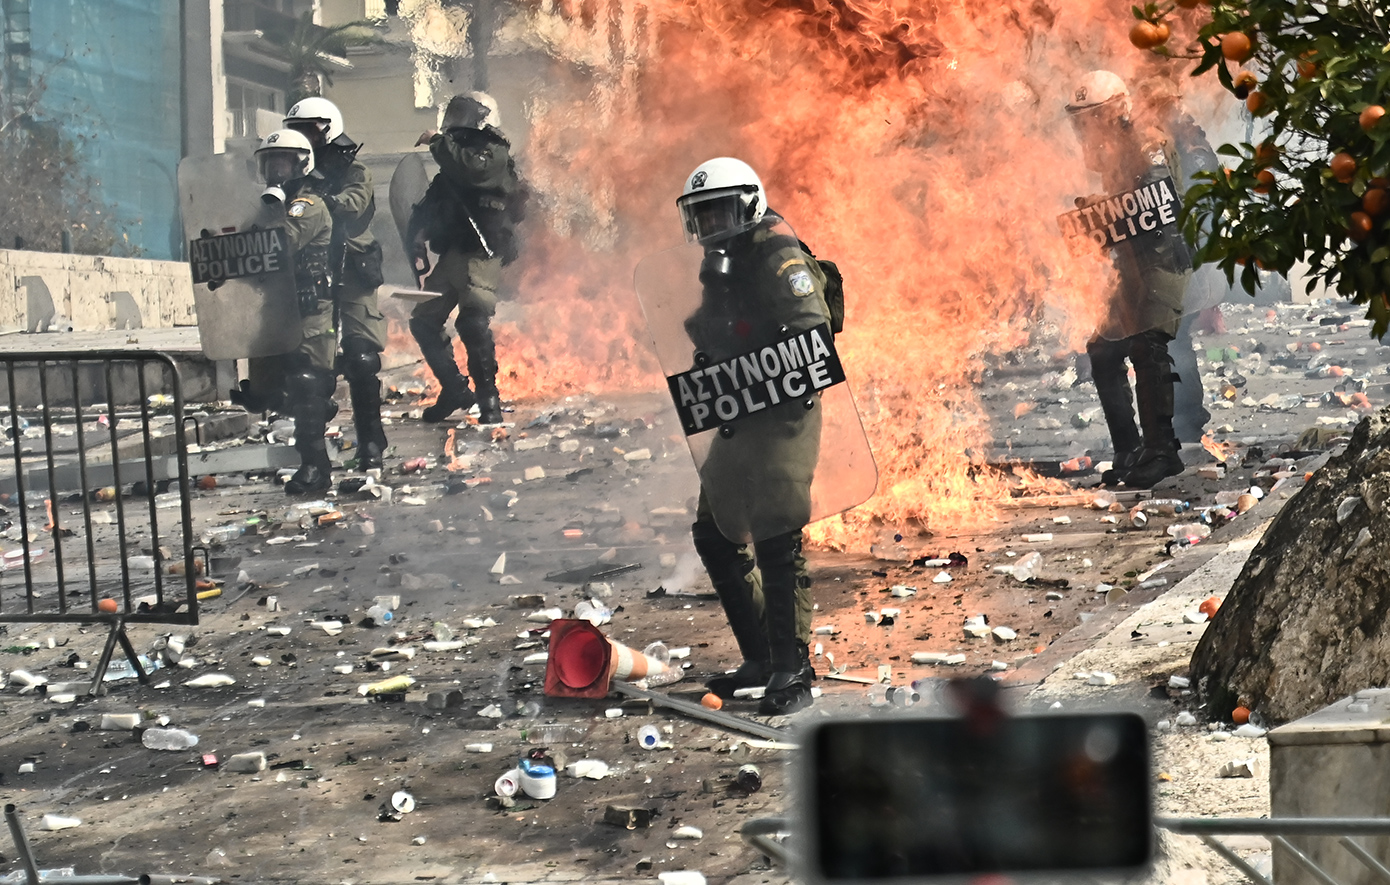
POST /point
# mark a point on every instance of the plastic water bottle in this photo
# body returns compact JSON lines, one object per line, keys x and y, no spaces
{"x":168,"y":739}
{"x":649,"y":737}
{"x":1026,"y":567}
{"x":378,"y":616}
{"x":223,"y":534}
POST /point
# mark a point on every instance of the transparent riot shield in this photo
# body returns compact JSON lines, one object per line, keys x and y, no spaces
{"x":241,"y":259}
{"x":1138,"y":232}
{"x":757,"y":383}
{"x":408,"y":185}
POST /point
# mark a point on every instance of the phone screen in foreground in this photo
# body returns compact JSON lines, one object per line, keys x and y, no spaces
{"x":955,"y":797}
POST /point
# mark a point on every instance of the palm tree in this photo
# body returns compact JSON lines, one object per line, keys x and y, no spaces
{"x":309,"y":47}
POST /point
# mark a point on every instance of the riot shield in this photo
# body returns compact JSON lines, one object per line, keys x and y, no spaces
{"x":240,"y":256}
{"x":408,"y":185}
{"x":1138,"y":231}
{"x":759,"y":388}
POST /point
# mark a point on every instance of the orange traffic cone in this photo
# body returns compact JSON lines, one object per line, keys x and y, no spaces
{"x":582,"y":661}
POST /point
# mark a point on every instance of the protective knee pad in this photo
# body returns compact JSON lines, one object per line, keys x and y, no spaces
{"x":310,"y":393}
{"x":473,"y":327}
{"x":428,"y":333}
{"x":713,"y":548}
{"x":360,"y":363}
{"x":779,"y":552}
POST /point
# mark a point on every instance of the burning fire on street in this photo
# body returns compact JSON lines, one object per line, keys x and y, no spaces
{"x":924,"y":148}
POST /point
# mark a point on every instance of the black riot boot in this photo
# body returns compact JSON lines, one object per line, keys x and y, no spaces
{"x":311,"y":406}
{"x":250,"y":400}
{"x":789,"y":685}
{"x":1112,"y":385}
{"x":360,"y":365}
{"x":1153,"y":392}
{"x":475,"y":332}
{"x":439,"y":356}
{"x":730,"y":571}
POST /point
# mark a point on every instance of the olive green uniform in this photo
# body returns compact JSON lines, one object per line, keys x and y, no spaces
{"x":1144,"y":317}
{"x":356,"y":258}
{"x":310,"y":229}
{"x":765,"y":465}
{"x":467,"y":216}
{"x":352,"y":205}
{"x":301,"y":383}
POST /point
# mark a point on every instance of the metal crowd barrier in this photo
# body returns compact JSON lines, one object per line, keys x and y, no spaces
{"x":764,"y":834}
{"x":1343,"y":828}
{"x":97,"y":523}
{"x":34,"y":876}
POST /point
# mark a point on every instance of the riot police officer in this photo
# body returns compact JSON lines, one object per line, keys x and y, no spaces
{"x":301,"y":383}
{"x":468,"y":217}
{"x":355,"y":260}
{"x":1153,"y":274}
{"x":758,"y":286}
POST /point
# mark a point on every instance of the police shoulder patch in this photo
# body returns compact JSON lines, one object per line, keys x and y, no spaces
{"x":298,"y":205}
{"x":801,"y":283}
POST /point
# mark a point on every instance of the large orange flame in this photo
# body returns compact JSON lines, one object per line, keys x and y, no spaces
{"x":921,"y":145}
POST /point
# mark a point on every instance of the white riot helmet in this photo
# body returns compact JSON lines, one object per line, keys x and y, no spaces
{"x":722,"y":197}
{"x":318,"y":111}
{"x":471,"y":111}
{"x":1098,"y":88}
{"x":284,"y":156}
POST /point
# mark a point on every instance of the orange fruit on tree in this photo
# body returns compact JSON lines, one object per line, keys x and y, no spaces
{"x":1243,"y":82}
{"x":1256,"y":102}
{"x":1343,"y":166}
{"x":1361,"y":224}
{"x":1237,"y":47}
{"x":1188,"y":4}
{"x":1371,"y":116}
{"x":1307,"y":68}
{"x":1266,"y":153}
{"x":1379,"y":182}
{"x":1145,"y":35}
{"x":1266,"y":179}
{"x":1375,"y":201}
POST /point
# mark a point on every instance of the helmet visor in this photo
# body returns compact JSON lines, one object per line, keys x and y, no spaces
{"x":279,"y":166}
{"x":313,"y":128}
{"x":716,"y":214}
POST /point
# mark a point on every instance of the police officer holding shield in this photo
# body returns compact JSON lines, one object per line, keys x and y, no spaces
{"x":300,"y":383}
{"x":758,"y":287}
{"x":467,"y":216}
{"x":355,"y":259}
{"x":1153,"y":274}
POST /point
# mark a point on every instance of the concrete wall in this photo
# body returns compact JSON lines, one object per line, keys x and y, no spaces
{"x":41,"y":290}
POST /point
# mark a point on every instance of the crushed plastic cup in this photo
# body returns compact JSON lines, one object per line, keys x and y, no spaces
{"x":16,"y":558}
{"x":508,"y":784}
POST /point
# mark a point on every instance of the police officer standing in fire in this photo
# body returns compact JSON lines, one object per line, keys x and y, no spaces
{"x":758,"y":285}
{"x":467,"y":216}
{"x":300,"y":384}
{"x":1153,"y":273}
{"x":355,"y":263}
